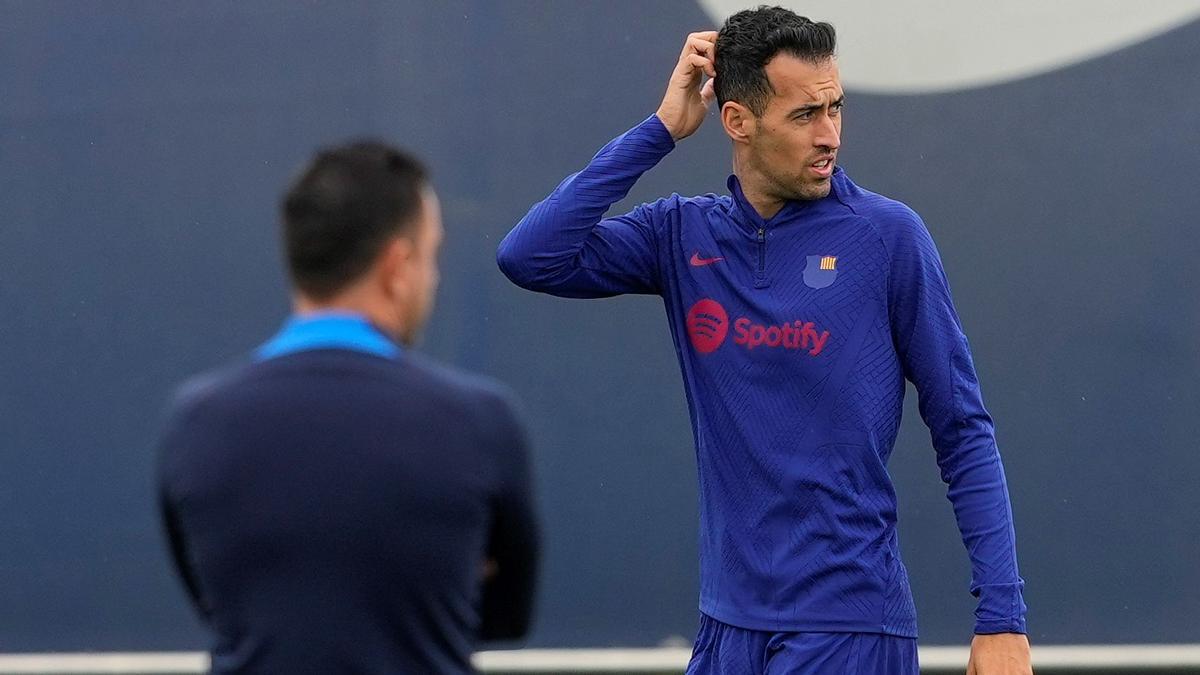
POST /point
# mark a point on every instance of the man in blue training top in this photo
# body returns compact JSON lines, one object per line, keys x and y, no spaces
{"x":338,"y":504}
{"x":798,"y":305}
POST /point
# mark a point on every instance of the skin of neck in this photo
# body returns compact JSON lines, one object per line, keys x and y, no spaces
{"x":754,"y":185}
{"x":360,"y":298}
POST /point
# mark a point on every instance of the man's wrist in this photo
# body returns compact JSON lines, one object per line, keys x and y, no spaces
{"x":995,"y":626}
{"x":658,"y":131}
{"x":1001,"y":608}
{"x":657,"y":116}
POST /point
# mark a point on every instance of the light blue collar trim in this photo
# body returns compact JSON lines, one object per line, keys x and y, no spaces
{"x":328,"y":330}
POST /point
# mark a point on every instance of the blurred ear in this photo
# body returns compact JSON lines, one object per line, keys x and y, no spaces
{"x":739,"y":122}
{"x":392,"y":267}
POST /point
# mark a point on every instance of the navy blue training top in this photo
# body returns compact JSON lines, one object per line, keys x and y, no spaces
{"x":795,"y":335}
{"x":330,"y":507}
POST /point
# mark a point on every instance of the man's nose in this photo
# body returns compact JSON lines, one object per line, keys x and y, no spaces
{"x":827,"y":134}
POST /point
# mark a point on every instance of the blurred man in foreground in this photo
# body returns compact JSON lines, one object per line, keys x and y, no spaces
{"x":799,"y":303}
{"x":339,"y":504}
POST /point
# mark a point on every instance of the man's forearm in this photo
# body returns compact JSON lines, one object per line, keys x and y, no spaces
{"x":979,"y":492}
{"x":544,"y":248}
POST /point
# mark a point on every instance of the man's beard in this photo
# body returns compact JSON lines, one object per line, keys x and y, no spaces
{"x":813,"y":191}
{"x":792,"y":187}
{"x":797,"y":190}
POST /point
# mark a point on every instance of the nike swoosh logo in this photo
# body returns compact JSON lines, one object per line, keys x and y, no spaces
{"x":697,"y":261}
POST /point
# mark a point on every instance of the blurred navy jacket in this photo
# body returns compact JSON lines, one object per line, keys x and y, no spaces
{"x":331,"y":505}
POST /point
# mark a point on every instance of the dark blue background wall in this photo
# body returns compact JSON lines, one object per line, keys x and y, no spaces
{"x":143,"y":147}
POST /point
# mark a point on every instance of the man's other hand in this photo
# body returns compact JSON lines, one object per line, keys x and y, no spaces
{"x":686,"y":101}
{"x":1000,"y":654}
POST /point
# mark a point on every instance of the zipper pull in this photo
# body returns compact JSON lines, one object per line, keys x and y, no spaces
{"x":762,"y":234}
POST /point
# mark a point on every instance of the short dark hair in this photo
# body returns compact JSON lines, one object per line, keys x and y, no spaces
{"x":342,"y":210}
{"x":751,"y":38}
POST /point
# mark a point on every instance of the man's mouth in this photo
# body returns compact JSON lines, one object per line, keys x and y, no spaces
{"x":822,"y":167}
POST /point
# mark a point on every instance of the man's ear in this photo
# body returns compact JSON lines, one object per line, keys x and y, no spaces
{"x":393,"y":264}
{"x":739,"y":123}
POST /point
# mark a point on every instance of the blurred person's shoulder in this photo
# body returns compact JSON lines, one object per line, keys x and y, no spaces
{"x":200,"y":391}
{"x":491,"y":401}
{"x":437,"y":383}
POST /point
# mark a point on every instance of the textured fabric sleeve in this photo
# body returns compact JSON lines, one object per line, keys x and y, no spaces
{"x":564,"y":246}
{"x":936,"y":358}
{"x":513,"y":542}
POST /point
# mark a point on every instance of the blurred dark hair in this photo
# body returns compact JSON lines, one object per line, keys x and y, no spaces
{"x":751,"y":38}
{"x":340,"y":213}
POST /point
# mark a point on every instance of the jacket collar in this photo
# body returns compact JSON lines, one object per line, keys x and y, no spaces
{"x":744,"y":211}
{"x":328,"y":330}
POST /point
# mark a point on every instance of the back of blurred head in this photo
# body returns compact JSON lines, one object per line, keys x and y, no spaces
{"x":361,"y":231}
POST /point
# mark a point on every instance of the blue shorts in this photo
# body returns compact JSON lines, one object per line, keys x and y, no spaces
{"x":722,"y":649}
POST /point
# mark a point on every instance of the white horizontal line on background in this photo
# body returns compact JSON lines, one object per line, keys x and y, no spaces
{"x":1079,"y":657}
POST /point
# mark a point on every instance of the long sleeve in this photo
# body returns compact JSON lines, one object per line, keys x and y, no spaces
{"x":169,"y":443}
{"x":513,"y":543}
{"x":179,"y":555}
{"x":936,"y":358}
{"x":564,"y":246}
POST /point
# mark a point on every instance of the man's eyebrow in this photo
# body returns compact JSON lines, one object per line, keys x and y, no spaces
{"x":816,"y":106}
{"x":806,"y":108}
